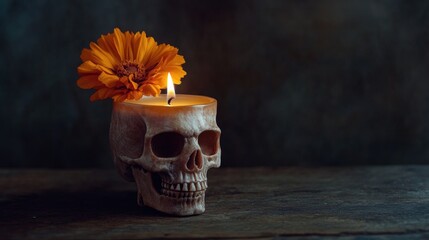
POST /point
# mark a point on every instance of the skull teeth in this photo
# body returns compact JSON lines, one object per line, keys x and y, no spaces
{"x":185,"y":187}
{"x":188,"y":195}
{"x":192,"y":187}
{"x":190,"y":177}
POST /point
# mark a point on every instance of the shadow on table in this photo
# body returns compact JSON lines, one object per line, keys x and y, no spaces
{"x":68,"y":207}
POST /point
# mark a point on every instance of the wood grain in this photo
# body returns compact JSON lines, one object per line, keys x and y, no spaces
{"x":298,"y":203}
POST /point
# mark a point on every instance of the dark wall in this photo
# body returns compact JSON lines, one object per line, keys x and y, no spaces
{"x":298,"y":82}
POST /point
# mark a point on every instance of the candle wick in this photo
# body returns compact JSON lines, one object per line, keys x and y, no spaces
{"x":169,"y":100}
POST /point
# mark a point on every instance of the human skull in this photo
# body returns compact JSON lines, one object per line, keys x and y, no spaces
{"x":167,"y":152}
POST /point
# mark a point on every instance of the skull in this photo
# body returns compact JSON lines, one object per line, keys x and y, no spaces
{"x":167,"y":151}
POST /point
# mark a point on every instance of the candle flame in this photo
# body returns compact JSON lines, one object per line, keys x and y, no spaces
{"x":171,"y":94}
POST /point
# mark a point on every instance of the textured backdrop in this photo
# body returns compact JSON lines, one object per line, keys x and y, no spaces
{"x":298,"y":82}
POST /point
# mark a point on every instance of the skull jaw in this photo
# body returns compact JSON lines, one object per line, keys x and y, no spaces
{"x":147,"y":195}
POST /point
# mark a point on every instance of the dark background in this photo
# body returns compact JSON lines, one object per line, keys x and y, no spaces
{"x":297,"y":82}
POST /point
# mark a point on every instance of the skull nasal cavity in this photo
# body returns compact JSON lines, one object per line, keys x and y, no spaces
{"x":195,"y":161}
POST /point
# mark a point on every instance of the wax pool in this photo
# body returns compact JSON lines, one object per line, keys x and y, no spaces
{"x":181,"y":100}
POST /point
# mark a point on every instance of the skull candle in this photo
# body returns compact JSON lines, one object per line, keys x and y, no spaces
{"x":167,"y":150}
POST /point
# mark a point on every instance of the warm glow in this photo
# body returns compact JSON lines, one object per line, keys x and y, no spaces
{"x":171,"y":94}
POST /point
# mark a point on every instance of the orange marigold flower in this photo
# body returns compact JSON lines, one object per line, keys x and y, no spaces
{"x":127,"y":66}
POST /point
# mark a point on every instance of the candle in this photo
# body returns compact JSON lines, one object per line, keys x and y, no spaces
{"x":170,"y":99}
{"x":181,"y":100}
{"x":166,"y":144}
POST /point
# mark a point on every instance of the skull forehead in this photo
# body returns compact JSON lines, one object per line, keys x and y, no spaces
{"x":188,"y":124}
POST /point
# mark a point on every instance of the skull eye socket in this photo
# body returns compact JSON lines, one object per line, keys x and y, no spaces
{"x":209,"y":142}
{"x":167,"y":144}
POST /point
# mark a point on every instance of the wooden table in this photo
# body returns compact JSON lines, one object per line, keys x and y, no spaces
{"x":296,"y":203}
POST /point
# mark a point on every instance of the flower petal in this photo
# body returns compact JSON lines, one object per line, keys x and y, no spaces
{"x":163,"y":51}
{"x":88,"y":67}
{"x":119,"y":43}
{"x":123,"y":79}
{"x":141,"y":46}
{"x":177,"y":60}
{"x":176,"y":73}
{"x":107,"y":58}
{"x":135,"y":42}
{"x":135,"y":95}
{"x":89,"y":81}
{"x":134,"y":84}
{"x":88,"y":55}
{"x":128,"y":51}
{"x":105,"y":69}
{"x":150,"y":90}
{"x":108,"y":80}
{"x":120,"y":97}
{"x":151,"y":45}
{"x":106,"y":42}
